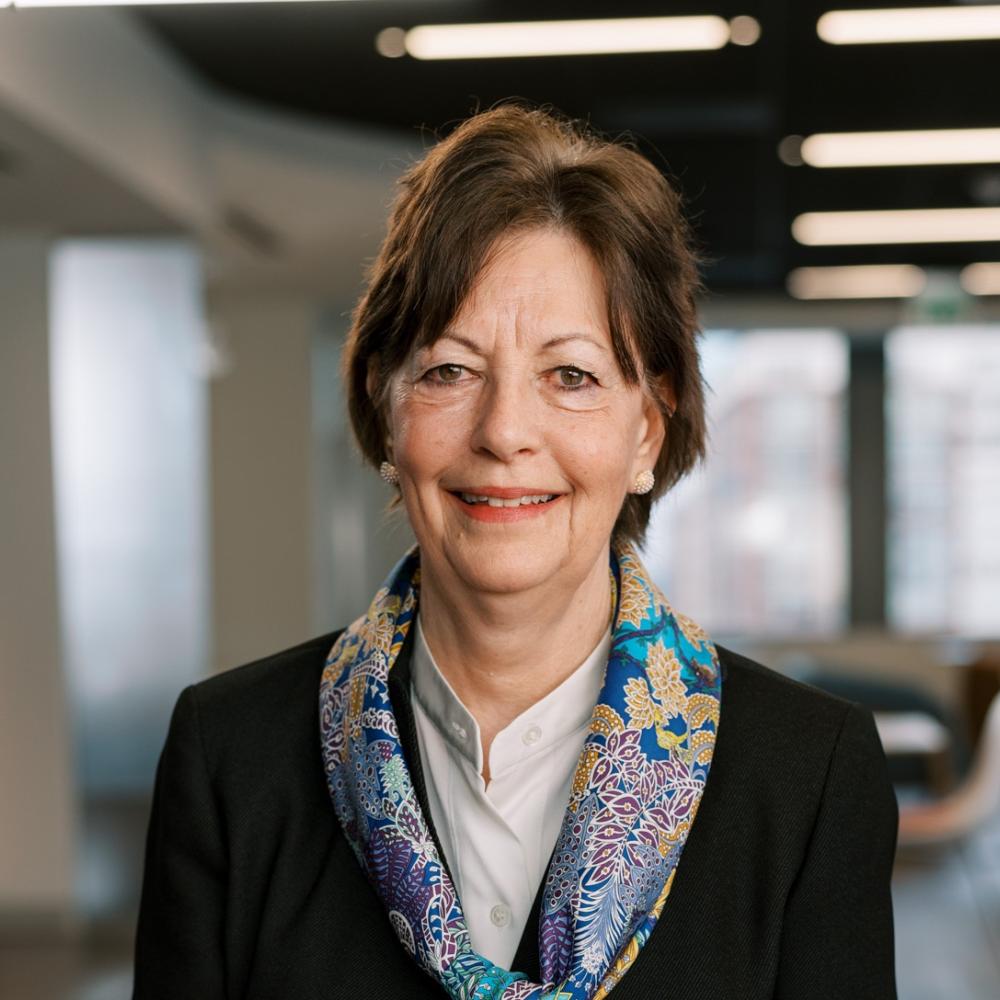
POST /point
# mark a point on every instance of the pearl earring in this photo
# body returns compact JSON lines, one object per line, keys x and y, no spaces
{"x":389,"y":473}
{"x":644,"y":482}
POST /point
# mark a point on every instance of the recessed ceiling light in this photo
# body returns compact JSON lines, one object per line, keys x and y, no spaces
{"x":910,"y":24}
{"x":567,"y":37}
{"x":925,"y":225}
{"x":864,"y":281}
{"x":744,"y":30}
{"x":391,"y":43}
{"x":790,"y":151}
{"x":884,"y":149}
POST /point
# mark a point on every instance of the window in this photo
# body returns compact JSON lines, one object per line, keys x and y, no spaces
{"x":754,"y":542}
{"x":943,"y":437}
{"x":130,"y":463}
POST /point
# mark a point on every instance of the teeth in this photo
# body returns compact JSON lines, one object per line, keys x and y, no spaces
{"x":499,"y":502}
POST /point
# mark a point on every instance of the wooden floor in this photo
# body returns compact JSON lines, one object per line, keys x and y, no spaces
{"x":947,"y":914}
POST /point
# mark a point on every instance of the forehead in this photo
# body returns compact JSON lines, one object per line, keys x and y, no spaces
{"x":539,"y":284}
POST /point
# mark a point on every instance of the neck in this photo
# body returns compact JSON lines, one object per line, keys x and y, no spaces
{"x":501,"y":653}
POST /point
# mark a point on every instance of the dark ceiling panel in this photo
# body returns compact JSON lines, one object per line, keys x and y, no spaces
{"x":712,"y":119}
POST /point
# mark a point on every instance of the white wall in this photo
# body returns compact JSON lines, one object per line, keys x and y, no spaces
{"x":37,"y":808}
{"x":357,"y":539}
{"x":261,"y":475}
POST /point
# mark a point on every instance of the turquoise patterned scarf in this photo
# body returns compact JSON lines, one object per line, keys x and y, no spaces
{"x":634,"y":797}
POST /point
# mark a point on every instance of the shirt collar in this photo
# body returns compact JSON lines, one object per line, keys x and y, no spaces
{"x":563,"y":711}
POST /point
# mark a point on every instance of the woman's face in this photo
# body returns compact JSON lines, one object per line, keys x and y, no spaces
{"x":520,"y":397}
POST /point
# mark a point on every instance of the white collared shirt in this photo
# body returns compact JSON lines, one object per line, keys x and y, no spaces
{"x":498,"y":839}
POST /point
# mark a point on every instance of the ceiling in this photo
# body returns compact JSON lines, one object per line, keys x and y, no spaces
{"x":712,"y":120}
{"x":46,"y":187}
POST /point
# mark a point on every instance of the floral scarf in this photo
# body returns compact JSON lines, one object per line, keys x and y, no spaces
{"x":634,"y":796}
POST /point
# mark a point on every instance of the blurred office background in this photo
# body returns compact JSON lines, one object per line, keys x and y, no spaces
{"x":188,"y":196}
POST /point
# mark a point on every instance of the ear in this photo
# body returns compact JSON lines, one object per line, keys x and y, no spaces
{"x":653,"y":427}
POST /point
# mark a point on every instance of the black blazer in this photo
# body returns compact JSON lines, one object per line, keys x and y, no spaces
{"x":251,"y":891}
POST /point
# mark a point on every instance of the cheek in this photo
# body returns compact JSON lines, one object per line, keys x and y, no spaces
{"x":427,"y":437}
{"x":595,"y":456}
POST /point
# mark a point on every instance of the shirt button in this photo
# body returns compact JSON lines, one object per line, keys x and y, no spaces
{"x":531,"y":736}
{"x":500,"y":915}
{"x":459,"y":730}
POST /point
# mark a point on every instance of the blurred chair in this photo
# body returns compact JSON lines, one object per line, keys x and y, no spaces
{"x":971,"y":805}
{"x":924,"y":742}
{"x":918,"y":735}
{"x":980,"y":684}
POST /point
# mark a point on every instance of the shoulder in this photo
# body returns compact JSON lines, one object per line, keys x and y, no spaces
{"x":276,"y":672}
{"x":263,"y":706}
{"x":772,"y":720}
{"x":789,"y":759}
{"x":749,"y":686}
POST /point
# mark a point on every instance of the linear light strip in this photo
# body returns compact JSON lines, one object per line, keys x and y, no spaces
{"x":864,"y":281}
{"x":552,"y":38}
{"x":909,"y":24}
{"x":132,"y":3}
{"x":981,"y":279}
{"x":931,"y":225}
{"x":887,"y":149}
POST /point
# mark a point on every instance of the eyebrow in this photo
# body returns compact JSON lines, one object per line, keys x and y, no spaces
{"x":553,"y":342}
{"x":556,"y":341}
{"x":458,"y":338}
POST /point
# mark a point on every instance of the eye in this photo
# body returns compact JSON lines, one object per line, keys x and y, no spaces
{"x":571,"y":377}
{"x":445,"y":373}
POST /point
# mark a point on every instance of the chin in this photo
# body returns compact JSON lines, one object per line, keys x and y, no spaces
{"x":506,"y":567}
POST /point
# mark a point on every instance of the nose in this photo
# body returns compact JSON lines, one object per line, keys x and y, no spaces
{"x":508,"y":421}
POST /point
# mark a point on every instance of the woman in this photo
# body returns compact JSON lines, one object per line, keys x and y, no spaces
{"x":530,"y":777}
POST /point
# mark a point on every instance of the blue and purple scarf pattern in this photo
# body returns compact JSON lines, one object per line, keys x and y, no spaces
{"x":634,"y":797}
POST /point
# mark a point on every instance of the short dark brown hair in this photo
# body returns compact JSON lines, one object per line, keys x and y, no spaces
{"x":516,"y":168}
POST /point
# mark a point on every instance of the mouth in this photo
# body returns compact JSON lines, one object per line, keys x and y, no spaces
{"x":504,"y":504}
{"x":491,"y":500}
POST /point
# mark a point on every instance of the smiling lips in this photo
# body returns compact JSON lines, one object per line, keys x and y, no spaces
{"x":495,"y":503}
